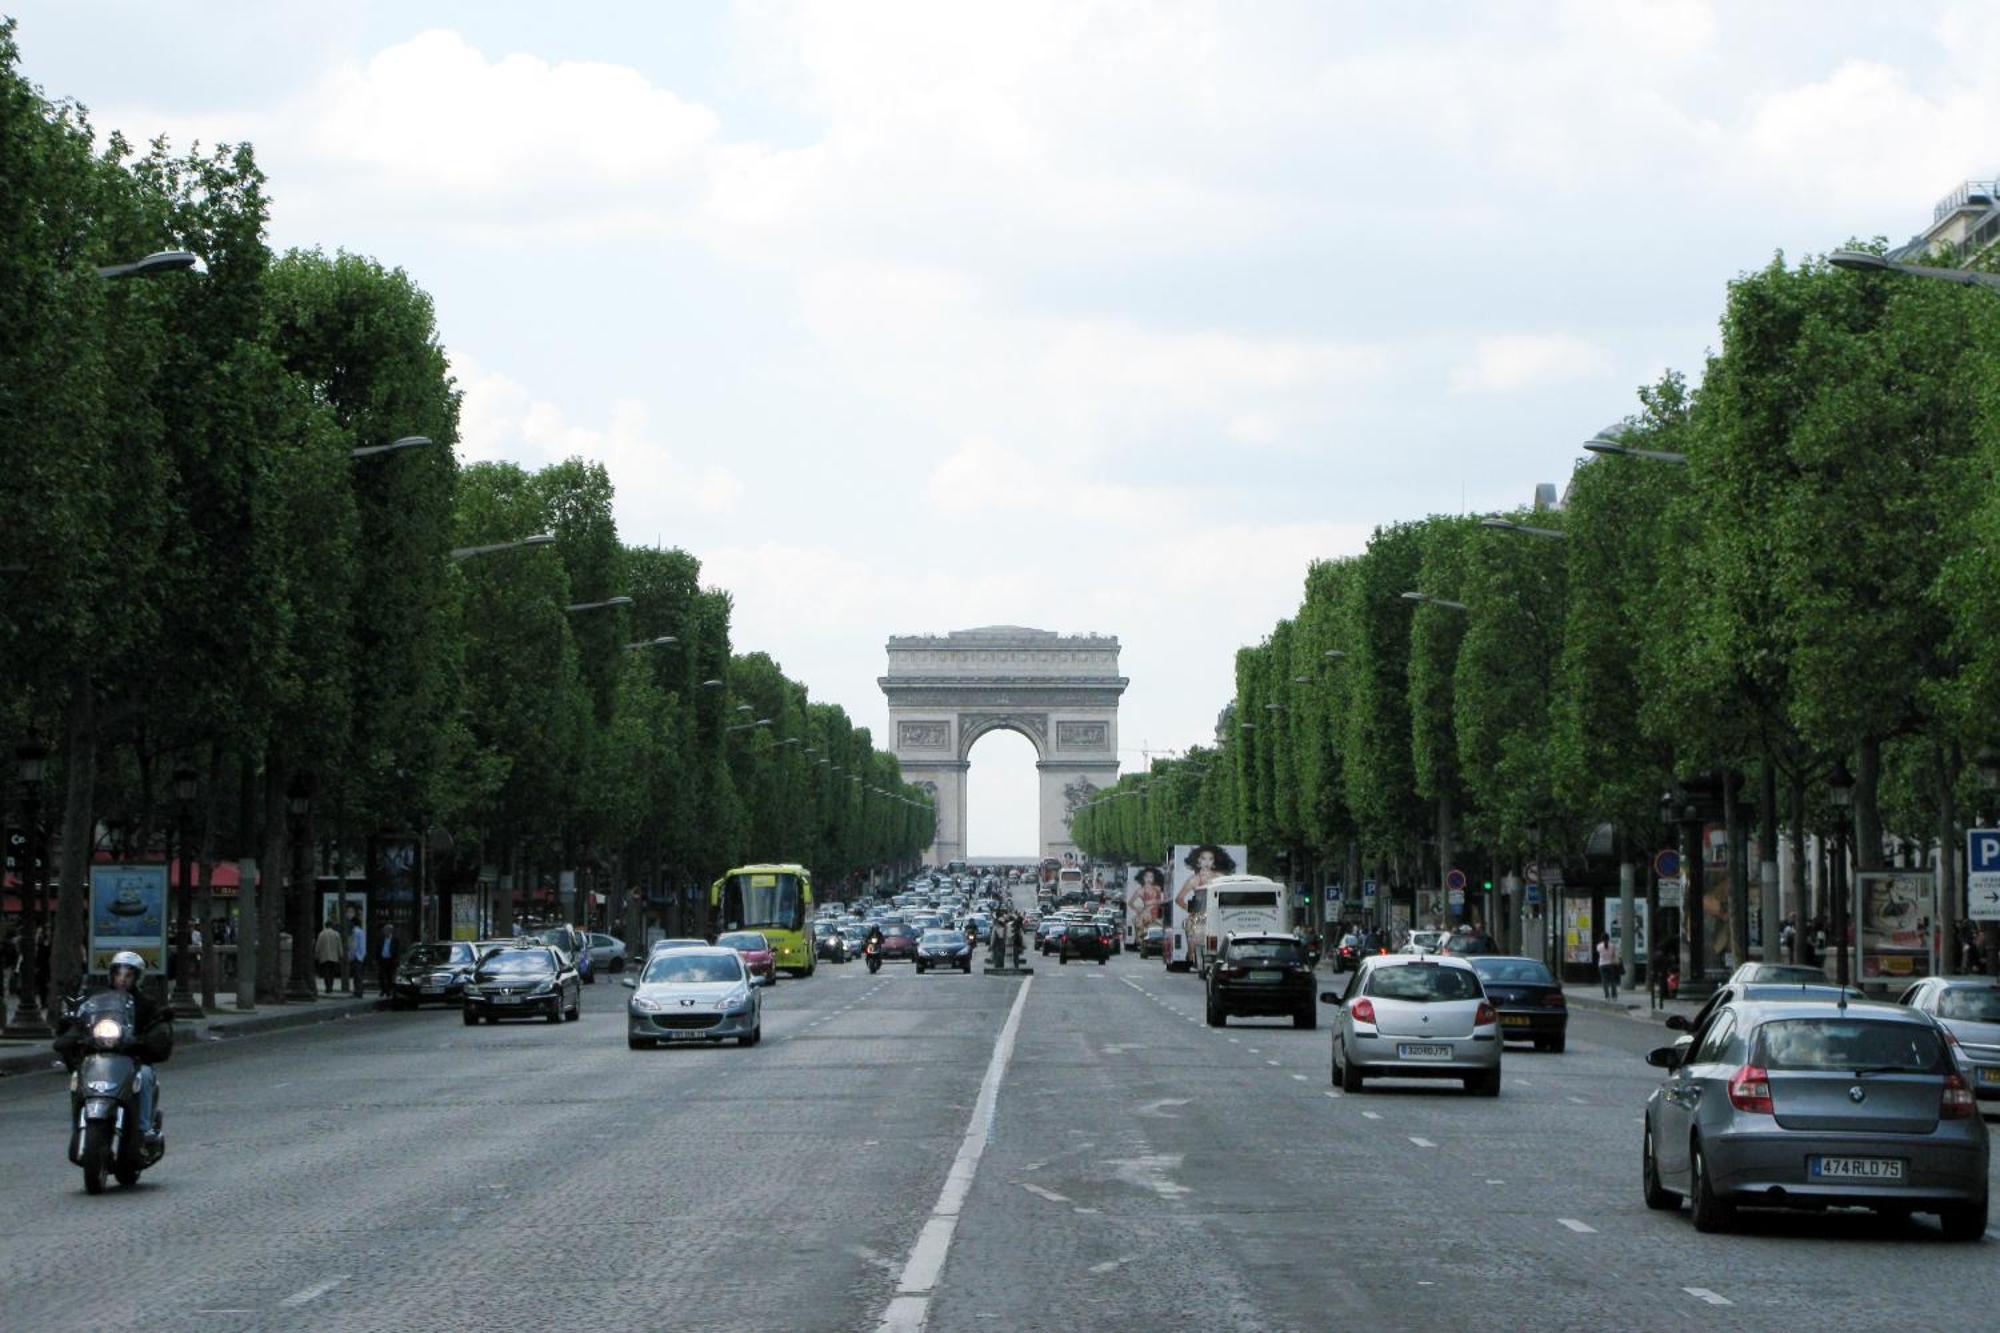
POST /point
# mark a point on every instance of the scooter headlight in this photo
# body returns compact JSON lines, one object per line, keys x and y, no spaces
{"x":107,"y":1031}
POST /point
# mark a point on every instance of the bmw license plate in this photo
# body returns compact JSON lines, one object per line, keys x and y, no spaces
{"x":1416,"y":1051}
{"x":1887,"y":1169}
{"x":1989,"y":1074}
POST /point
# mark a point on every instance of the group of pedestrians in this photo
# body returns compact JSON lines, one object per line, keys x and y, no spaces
{"x":342,"y":954}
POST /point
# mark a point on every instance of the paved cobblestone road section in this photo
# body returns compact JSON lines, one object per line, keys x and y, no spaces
{"x":404,"y":1172}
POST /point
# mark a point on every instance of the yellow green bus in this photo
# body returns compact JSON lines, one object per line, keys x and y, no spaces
{"x":776,"y":900}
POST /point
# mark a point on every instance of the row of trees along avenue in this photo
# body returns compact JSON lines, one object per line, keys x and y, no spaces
{"x":1783,"y":616}
{"x":213,"y":578}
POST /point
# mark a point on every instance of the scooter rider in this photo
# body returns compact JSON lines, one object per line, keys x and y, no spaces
{"x":154,"y":1024}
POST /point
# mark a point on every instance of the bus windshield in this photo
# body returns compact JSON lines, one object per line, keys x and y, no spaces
{"x":755,"y":899}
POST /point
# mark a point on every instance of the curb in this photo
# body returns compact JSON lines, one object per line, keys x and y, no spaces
{"x":229,"y":1027}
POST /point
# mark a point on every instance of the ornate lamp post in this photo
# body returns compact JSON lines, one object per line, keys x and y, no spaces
{"x":29,"y":1022}
{"x":298,"y":802}
{"x":1841,"y":787}
{"x":186,"y":784}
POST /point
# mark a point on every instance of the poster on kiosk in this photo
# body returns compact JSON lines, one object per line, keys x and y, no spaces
{"x":1194,"y":865}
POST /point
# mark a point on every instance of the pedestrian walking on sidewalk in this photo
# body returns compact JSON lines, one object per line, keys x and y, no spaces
{"x":386,"y":955}
{"x":326,"y":953}
{"x":1609,"y":969}
{"x":357,"y":955}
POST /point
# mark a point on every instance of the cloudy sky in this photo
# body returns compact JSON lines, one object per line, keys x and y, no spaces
{"x":913,"y":317}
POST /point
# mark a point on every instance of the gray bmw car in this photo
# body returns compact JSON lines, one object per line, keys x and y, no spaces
{"x":1969,"y":1009}
{"x":694,"y":995}
{"x":1815,"y":1104}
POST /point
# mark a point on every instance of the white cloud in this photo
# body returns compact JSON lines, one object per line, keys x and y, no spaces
{"x":1507,"y":363}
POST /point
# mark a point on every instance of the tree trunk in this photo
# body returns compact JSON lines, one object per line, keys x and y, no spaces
{"x":1738,"y":839}
{"x":1767,"y":858}
{"x":271,"y":902}
{"x":1951,"y":892}
{"x":1795,"y":890}
{"x":248,"y":893}
{"x":1868,"y":805}
{"x":205,"y":903}
{"x":79,"y":831}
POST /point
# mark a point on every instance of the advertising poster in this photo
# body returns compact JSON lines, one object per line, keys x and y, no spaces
{"x":1892,"y":923}
{"x":330,"y":910}
{"x":392,"y":882}
{"x":1145,"y":899}
{"x":1579,"y":944}
{"x":128,"y":910}
{"x":1614,"y":926}
{"x":1195,"y":864}
{"x":1431,"y":909}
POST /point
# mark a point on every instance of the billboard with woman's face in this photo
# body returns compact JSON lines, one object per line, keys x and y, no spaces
{"x":1195,"y":864}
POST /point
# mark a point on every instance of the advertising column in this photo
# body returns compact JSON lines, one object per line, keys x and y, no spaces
{"x":128,"y":910}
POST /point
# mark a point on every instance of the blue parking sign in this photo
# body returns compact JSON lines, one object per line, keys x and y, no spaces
{"x":1982,"y":879}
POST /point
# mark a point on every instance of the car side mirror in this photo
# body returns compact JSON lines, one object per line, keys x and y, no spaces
{"x":631,"y":983}
{"x":1664,"y":1057}
{"x":1330,"y":997}
{"x":1679,"y":1023}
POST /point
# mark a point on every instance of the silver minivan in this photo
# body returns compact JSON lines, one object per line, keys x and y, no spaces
{"x":1815,"y":1104}
{"x":1403,"y":1016}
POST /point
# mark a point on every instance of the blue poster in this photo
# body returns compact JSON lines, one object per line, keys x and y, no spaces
{"x":128,"y":910}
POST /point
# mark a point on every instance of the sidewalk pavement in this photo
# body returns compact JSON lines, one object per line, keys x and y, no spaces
{"x":1629,"y":1004}
{"x":224,"y":1022}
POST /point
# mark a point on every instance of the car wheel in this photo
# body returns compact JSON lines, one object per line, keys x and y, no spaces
{"x":1350,"y":1077}
{"x":1101,"y":961}
{"x":1306,"y":1018}
{"x":1063,"y":958}
{"x":1484,"y":1085}
{"x":491,"y":1018}
{"x":556,"y":1012}
{"x":1964,"y":1223}
{"x":1216,"y":1018}
{"x":1710,"y":1213}
{"x":966,"y":967}
{"x":920,"y":968}
{"x":470,"y":1017}
{"x":750,"y":1038}
{"x":638,"y":1044}
{"x":1658,"y":1197}
{"x":571,"y":1014}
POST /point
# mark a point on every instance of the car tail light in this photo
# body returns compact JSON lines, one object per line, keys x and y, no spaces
{"x":1554,"y":1000}
{"x":1750,"y":1090}
{"x":1211,"y":944}
{"x":1487,"y":1015}
{"x":1363,"y":1011}
{"x":1957,"y":1103}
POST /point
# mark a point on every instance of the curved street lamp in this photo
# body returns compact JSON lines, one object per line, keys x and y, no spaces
{"x":1427,"y":600}
{"x":1867,"y":261}
{"x":394,"y":446}
{"x":474,"y":552}
{"x":160,"y":261}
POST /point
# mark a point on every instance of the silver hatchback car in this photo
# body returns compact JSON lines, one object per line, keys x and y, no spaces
{"x":1815,"y":1104}
{"x":1404,"y":1016}
{"x":1970,"y":1011}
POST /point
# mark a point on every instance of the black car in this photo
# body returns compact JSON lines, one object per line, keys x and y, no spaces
{"x":1262,"y":975}
{"x":1154,"y":942}
{"x":1347,"y":954}
{"x":943,"y":948}
{"x":432,"y":973}
{"x":528,"y":981}
{"x":1529,"y":998}
{"x":829,"y":945}
{"x":1083,"y":939}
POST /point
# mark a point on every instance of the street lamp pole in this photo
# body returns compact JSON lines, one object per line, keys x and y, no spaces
{"x":474,"y":552}
{"x":29,"y":1021}
{"x":1602,"y":445}
{"x":298,"y":801}
{"x":1841,"y":786}
{"x":1866,"y":261}
{"x":183,"y":1003}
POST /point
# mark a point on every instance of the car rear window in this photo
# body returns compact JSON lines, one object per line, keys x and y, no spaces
{"x":1424,"y":984}
{"x":1849,"y":1043}
{"x":1971,"y":1004}
{"x":1513,"y":971}
{"x":1265,"y":951}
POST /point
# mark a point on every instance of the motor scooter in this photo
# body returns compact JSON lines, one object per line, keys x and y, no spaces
{"x":104,"y":1095}
{"x":873,"y":952}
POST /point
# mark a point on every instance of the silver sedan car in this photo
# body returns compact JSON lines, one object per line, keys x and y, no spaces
{"x":1404,"y":1016}
{"x":1815,"y":1104}
{"x":694,"y":995}
{"x":1970,"y":1011}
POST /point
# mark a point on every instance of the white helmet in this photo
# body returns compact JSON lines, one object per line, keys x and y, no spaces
{"x":126,"y":958}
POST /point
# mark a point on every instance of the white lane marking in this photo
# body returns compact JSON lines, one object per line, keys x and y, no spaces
{"x":1083,"y":1210}
{"x":1254,"y":1050}
{"x":1421,"y":1142}
{"x":1704,"y":1294}
{"x":1158,"y":1108}
{"x":1041,"y":1193}
{"x":312,"y":1293}
{"x":911,"y":1306}
{"x":1271,"y":1062}
{"x":1371,"y":1115}
{"x":1581,"y":1228}
{"x":1333,"y":1093}
{"x":1496,"y":1182}
{"x":1110,"y":1264}
{"x":1579,"y":1101}
{"x":1298,"y":1078}
{"x":1236,"y":1040}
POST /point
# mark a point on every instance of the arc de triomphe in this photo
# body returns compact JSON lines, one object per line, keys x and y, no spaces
{"x":1059,"y":691}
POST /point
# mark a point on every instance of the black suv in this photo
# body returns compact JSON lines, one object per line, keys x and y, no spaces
{"x":1083,"y":939}
{"x":1262,"y":975}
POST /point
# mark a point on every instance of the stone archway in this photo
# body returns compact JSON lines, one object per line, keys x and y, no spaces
{"x":1061,"y":692}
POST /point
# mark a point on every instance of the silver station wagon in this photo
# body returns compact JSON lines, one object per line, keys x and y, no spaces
{"x":1816,"y":1104}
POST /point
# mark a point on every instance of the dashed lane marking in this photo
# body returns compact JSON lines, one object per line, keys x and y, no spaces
{"x":1581,"y":1228}
{"x":1421,"y":1142}
{"x":1041,"y":1193}
{"x":1110,"y":1264}
{"x":1298,"y":1078}
{"x":1270,"y":1062}
{"x":1372,"y":1115}
{"x":1704,"y":1294}
{"x":310,"y":1294}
